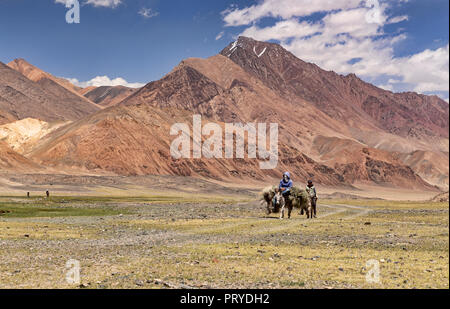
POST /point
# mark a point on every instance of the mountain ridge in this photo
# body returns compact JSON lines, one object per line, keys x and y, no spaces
{"x":337,"y":130}
{"x":41,"y":77}
{"x":22,"y":98}
{"x":281,"y":70}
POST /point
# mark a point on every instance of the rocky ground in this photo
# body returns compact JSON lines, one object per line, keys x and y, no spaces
{"x":189,"y":241}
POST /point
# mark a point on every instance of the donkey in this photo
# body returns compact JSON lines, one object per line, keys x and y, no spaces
{"x":283,"y":203}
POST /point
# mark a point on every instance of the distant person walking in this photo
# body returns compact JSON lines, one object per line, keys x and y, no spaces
{"x":311,"y":189}
{"x":47,"y":193}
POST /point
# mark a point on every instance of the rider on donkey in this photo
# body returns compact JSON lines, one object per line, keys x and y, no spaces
{"x":285,"y":186}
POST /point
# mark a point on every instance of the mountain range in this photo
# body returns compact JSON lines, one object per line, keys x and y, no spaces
{"x":337,"y":130}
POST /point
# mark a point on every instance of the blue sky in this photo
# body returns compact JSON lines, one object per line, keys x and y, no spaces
{"x":406,"y":48}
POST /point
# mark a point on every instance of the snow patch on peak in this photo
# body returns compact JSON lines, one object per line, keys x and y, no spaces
{"x":261,"y":53}
{"x":233,"y":47}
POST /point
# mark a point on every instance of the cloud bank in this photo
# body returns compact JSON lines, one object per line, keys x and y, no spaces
{"x":346,"y":36}
{"x":104,"y":81}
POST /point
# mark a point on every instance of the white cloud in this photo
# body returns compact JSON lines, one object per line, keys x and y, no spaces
{"x":282,"y":30}
{"x":386,"y":87}
{"x":96,"y":3}
{"x":428,"y":70}
{"x":354,"y":22}
{"x":398,"y":19}
{"x":284,"y":9}
{"x":348,"y":30}
{"x":148,"y":13}
{"x":220,"y":35}
{"x":104,"y":3}
{"x":64,"y":1}
{"x":104,"y":81}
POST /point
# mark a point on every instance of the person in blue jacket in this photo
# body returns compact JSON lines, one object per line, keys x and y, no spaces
{"x":285,"y":186}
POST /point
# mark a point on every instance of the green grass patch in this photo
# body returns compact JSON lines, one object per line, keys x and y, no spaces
{"x":153,"y":199}
{"x":20,"y":210}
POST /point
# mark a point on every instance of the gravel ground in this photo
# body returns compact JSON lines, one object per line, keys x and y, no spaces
{"x":224,"y":245}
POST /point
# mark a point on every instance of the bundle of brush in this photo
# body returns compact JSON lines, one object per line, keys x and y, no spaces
{"x":300,"y":198}
{"x":267,"y":196}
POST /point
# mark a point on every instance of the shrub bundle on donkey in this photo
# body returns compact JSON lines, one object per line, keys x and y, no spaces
{"x":300,"y":199}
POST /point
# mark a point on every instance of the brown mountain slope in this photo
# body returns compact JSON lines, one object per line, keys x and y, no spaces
{"x":109,"y":95}
{"x":37,"y":75}
{"x":6,"y":116}
{"x":219,"y":89}
{"x":346,"y":98}
{"x":184,"y":85}
{"x":440,"y":198}
{"x":70,"y":93}
{"x":358,"y":163}
{"x":336,"y":146}
{"x":431,"y":166}
{"x":12,"y":161}
{"x":23,"y":98}
{"x":83,"y":91}
{"x":135,"y":140}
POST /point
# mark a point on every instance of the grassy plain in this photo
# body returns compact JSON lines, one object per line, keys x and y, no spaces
{"x":188,"y":240}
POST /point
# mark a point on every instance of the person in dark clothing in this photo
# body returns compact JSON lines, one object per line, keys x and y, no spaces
{"x":311,"y":189}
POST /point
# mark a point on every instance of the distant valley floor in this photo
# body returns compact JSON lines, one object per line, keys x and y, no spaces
{"x":139,"y":186}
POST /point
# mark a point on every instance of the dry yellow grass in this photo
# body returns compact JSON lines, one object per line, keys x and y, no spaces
{"x":177,"y":242}
{"x":42,"y":231}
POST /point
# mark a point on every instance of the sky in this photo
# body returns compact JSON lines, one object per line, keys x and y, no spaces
{"x":399,"y":45}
